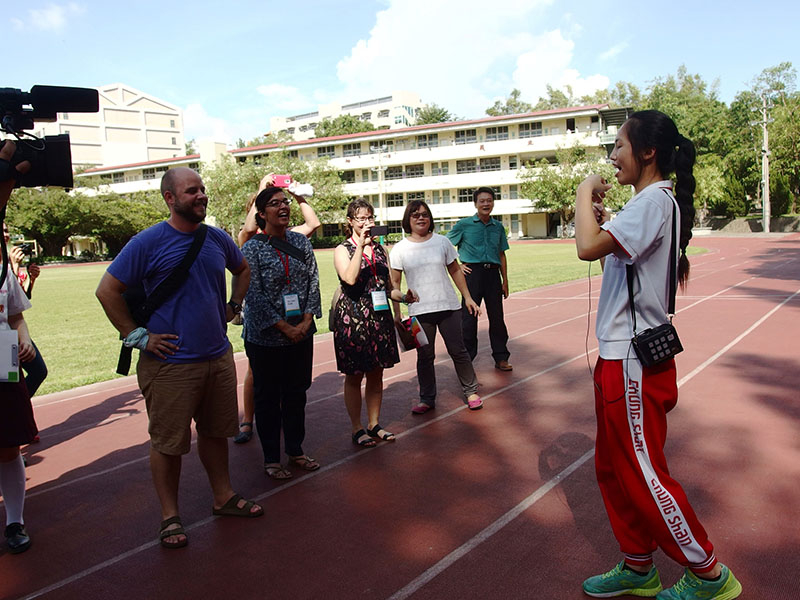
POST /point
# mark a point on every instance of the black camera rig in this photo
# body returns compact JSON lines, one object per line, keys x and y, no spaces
{"x":50,"y":157}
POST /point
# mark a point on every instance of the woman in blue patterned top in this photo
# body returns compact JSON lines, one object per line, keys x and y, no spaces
{"x":282,"y":302}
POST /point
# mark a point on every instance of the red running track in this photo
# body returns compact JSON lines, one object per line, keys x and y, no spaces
{"x":498,"y":503}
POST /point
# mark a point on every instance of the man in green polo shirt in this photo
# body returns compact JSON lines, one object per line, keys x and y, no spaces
{"x":482,"y":244}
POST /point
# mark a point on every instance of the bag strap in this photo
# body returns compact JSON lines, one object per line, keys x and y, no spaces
{"x":282,"y":245}
{"x":173,"y":282}
{"x":673,"y":273}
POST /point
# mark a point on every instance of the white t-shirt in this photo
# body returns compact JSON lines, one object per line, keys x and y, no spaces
{"x":641,"y":230}
{"x":12,"y":299}
{"x":425,"y":265}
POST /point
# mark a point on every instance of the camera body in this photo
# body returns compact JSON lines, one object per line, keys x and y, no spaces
{"x":378,"y":230}
{"x":50,"y":156}
{"x":27,"y":249}
{"x":282,"y":181}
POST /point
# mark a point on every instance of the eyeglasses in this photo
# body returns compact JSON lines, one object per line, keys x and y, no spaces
{"x":276,"y":203}
{"x":420,"y":215}
{"x":364,"y":219}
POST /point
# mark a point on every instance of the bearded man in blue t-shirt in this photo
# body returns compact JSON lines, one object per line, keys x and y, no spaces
{"x":186,"y":370}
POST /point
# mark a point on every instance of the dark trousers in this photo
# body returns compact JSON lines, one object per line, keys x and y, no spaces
{"x":35,"y":371}
{"x":485,"y":286}
{"x":281,"y":376}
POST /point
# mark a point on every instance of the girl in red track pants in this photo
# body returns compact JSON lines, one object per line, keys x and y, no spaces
{"x":647,"y":508}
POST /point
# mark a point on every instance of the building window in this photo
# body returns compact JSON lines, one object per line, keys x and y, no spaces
{"x":527,"y":130}
{"x":440,"y":169}
{"x":466,"y":136}
{"x":105,"y":176}
{"x":394,"y":199}
{"x":290,"y":130}
{"x":445,"y":196}
{"x":172,"y":123}
{"x":490,"y":164}
{"x":148,"y":173}
{"x":512,"y":162}
{"x":330,"y":229}
{"x":293,"y":154}
{"x":430,"y":140}
{"x":381,"y":146}
{"x":364,"y":174}
{"x":393,"y":173}
{"x":515,"y":225}
{"x":374,"y":176}
{"x":351,"y":149}
{"x":366,"y":116}
{"x":303,"y":128}
{"x":174,"y":141}
{"x":326,"y":152}
{"x":435,"y":197}
{"x":571,"y":125}
{"x":348,"y":176}
{"x":375,"y":200}
{"x":496,"y":133}
{"x":395,"y":226}
{"x":383,"y":114}
{"x":118,"y":177}
{"x":415,"y":171}
{"x":513,"y":191}
{"x":465,"y":194}
{"x":466,"y":166}
{"x":194,"y":166}
{"x":415,"y":196}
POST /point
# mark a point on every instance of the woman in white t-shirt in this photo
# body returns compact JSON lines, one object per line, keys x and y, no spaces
{"x":429,"y":261}
{"x":17,"y":426}
{"x":647,"y":508}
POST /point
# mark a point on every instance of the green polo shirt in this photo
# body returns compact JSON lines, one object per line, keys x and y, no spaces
{"x":478,"y":242}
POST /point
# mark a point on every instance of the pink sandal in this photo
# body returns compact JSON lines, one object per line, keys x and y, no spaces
{"x":476,"y":403}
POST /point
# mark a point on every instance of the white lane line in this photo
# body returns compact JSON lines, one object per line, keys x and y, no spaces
{"x":492,"y":529}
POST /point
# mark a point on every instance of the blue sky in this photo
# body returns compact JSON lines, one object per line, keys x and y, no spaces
{"x":231,"y":65}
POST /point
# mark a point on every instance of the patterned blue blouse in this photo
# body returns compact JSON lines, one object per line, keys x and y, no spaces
{"x":268,"y":285}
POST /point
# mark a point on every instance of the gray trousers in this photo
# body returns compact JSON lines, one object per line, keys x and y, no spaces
{"x":449,"y":324}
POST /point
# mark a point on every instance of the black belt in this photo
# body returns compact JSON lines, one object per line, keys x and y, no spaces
{"x":484,"y":265}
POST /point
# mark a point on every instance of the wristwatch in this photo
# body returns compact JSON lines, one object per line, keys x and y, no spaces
{"x":235,"y":307}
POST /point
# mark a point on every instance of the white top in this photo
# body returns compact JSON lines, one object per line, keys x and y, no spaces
{"x":641,"y":230}
{"x":12,"y":299}
{"x":425,"y":265}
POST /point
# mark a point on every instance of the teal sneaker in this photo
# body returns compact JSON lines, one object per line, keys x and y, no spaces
{"x":691,"y":587}
{"x":621,"y":581}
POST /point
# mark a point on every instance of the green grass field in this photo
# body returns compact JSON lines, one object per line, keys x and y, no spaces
{"x":80,"y":346}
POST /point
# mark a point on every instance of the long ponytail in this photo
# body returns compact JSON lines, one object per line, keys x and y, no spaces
{"x":674,"y":154}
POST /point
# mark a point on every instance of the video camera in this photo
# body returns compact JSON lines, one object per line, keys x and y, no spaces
{"x":50,"y":156}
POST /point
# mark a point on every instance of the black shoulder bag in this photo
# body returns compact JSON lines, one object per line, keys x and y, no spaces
{"x":657,"y":344}
{"x":142,"y":306}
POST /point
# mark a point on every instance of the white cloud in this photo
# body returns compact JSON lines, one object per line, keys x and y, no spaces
{"x":461,"y":56}
{"x":53,"y":17}
{"x":613,"y":51}
{"x":198,"y":124}
{"x":547,"y":62}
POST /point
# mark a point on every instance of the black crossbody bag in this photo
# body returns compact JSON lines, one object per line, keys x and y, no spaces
{"x":657,"y":344}
{"x":142,"y":306}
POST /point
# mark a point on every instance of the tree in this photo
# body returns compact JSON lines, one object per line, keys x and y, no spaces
{"x":190,"y":147}
{"x":623,"y":94}
{"x":552,"y":187}
{"x":556,"y":99}
{"x":512,"y":106}
{"x":342,"y":125}
{"x":433,"y":113}
{"x":116,"y":218}
{"x":50,"y":216}
{"x":230,"y":184}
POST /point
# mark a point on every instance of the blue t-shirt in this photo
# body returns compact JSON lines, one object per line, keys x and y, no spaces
{"x":196,"y":312}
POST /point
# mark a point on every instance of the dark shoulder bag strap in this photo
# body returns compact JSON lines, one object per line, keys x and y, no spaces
{"x":165,"y":289}
{"x":673,"y":276}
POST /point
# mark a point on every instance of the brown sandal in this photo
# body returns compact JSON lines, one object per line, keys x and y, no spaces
{"x":305,"y":462}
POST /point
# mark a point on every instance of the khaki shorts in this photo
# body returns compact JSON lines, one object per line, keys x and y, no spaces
{"x":177,"y":393}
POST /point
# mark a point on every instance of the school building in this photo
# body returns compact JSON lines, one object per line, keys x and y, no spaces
{"x":440,"y":163}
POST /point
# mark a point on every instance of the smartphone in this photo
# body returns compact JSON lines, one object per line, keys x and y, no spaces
{"x":378,"y":230}
{"x":282,"y":181}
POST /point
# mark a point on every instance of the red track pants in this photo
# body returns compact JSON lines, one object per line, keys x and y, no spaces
{"x":647,"y":507}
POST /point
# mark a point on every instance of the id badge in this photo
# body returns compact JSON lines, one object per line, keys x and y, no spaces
{"x":291,"y":304}
{"x":379,"y":301}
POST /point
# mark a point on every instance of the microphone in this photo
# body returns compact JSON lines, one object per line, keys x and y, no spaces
{"x":47,"y":100}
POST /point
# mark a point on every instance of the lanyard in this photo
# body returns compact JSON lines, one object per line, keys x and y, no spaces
{"x":371,"y":263}
{"x":285,"y":261}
